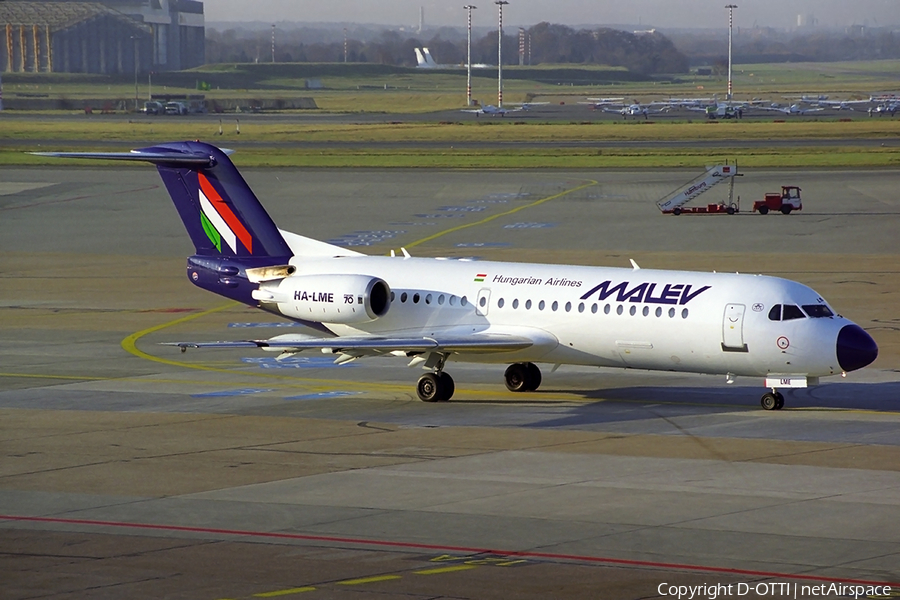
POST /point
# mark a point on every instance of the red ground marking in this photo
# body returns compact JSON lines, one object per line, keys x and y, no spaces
{"x":438,"y":547}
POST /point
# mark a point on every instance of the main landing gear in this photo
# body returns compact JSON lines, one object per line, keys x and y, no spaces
{"x":439,"y":387}
{"x":772,"y":400}
{"x":522,"y":377}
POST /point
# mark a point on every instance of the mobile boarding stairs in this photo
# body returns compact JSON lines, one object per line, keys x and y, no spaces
{"x":674,"y":203}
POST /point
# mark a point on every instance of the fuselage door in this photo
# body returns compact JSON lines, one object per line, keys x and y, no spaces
{"x":733,"y":329}
{"x":483,"y":302}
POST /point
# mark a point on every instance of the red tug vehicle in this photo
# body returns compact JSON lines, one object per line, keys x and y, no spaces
{"x":787,"y":201}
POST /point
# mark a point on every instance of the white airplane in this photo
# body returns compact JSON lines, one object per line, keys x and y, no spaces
{"x":635,"y":109}
{"x":424,"y":60}
{"x":490,"y":109}
{"x":431,"y":311}
{"x":793,"y":109}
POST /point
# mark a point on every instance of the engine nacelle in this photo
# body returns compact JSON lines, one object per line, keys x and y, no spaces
{"x":327,"y":298}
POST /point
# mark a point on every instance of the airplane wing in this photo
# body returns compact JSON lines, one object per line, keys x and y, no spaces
{"x":410,"y":345}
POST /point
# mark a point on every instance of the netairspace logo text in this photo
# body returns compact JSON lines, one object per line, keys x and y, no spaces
{"x":786,"y":590}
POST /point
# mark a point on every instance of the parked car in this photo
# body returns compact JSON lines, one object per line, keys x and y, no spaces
{"x":176,"y":108}
{"x":154,"y":108}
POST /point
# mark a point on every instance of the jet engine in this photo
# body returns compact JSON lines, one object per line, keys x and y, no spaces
{"x":341,"y":299}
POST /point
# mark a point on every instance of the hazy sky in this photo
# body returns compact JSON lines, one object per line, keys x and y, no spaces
{"x":652,"y":13}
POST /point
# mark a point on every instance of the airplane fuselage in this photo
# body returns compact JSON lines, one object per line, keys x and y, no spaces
{"x":598,"y":316}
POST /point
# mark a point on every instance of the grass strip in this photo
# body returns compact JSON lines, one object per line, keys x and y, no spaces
{"x":567,"y":158}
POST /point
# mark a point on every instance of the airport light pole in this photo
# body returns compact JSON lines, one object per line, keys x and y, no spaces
{"x":273,"y":42}
{"x":730,"y":8}
{"x":469,"y":8}
{"x":135,"y":39}
{"x":500,"y":4}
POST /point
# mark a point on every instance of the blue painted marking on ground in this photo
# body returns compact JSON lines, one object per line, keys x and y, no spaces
{"x":286,"y":324}
{"x":529,"y":225}
{"x":322,"y":395}
{"x":295,"y":362}
{"x":412,"y":223}
{"x":483,"y":245}
{"x":440,"y":216}
{"x":462,"y":208}
{"x":239,"y":392}
{"x":364,"y":238}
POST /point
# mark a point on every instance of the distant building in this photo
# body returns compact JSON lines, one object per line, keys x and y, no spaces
{"x":112,"y":36}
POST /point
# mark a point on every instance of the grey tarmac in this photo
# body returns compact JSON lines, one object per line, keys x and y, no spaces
{"x":132,"y":470}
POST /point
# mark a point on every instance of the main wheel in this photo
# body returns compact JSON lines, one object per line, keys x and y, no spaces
{"x":763,"y":210}
{"x":427,"y":387}
{"x":730,"y":210}
{"x":769,"y":401}
{"x":786,"y":209}
{"x":446,"y":387}
{"x":676,"y":211}
{"x":516,"y":377}
{"x":435,"y":387}
{"x":533,"y":378}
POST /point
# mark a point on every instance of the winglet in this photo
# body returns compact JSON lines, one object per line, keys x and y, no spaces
{"x":634,"y":265}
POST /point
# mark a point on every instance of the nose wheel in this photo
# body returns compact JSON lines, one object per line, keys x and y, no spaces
{"x":772,"y":401}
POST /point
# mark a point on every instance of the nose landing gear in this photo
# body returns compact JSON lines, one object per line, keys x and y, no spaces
{"x":772,"y":400}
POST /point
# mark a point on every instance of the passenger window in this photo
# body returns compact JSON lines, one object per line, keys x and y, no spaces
{"x":428,"y":299}
{"x":684,"y":314}
{"x":516,"y":303}
{"x":463,"y":301}
{"x":554,"y":306}
{"x":568,"y":307}
{"x":671,"y":313}
{"x":528,"y":305}
{"x":658,"y":311}
{"x":482,"y":301}
{"x":392,"y":296}
{"x":594,"y":308}
{"x":452,"y":300}
{"x":619,"y":310}
{"x":790,"y":312}
{"x":632,"y":310}
{"x":415,"y":298}
{"x":606,"y":309}
{"x":403,"y":297}
{"x":646,"y":310}
{"x":775,"y":313}
{"x":581,"y":307}
{"x":541,"y":305}
{"x":441,"y":299}
{"x":817,"y":311}
{"x":500,"y":303}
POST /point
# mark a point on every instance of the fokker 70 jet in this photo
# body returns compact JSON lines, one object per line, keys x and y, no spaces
{"x":432,"y":311}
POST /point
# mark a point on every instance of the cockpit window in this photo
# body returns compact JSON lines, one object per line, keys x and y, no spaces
{"x":817,"y":311}
{"x":775,"y":313}
{"x":791,"y":311}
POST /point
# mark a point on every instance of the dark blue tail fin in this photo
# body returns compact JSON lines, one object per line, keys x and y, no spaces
{"x":219,"y":210}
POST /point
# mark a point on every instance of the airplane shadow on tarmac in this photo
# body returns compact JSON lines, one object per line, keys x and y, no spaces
{"x":648,"y":402}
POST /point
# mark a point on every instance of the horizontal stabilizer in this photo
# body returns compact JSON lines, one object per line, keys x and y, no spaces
{"x":161,"y":156}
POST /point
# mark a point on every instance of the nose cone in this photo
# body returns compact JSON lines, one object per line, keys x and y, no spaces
{"x":855,"y":348}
